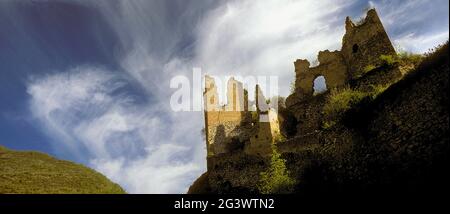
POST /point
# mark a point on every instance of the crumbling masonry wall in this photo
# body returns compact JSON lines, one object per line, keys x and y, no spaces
{"x":332,"y":67}
{"x":267,"y":129}
{"x":231,"y":125}
{"x":221,"y":122}
{"x":362,"y":45}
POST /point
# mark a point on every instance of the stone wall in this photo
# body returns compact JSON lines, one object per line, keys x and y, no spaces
{"x":363,"y":43}
{"x":308,"y":113}
{"x":412,"y":117}
{"x":383,"y":75}
{"x":231,"y":127}
{"x":405,"y":131}
{"x":331,"y":66}
{"x":266,"y":134}
{"x":222,"y":127}
{"x":222,"y":122}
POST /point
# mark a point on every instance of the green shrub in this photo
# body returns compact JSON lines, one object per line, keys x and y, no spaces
{"x":276,"y":178}
{"x":341,"y":100}
{"x":408,"y":58}
{"x":388,"y":60}
{"x":279,"y":138}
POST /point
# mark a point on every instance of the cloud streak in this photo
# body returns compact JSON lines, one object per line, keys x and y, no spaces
{"x":126,"y":140}
{"x":416,"y":25}
{"x":265,"y":37}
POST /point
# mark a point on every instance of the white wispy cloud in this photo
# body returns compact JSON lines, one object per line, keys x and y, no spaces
{"x":416,"y":25}
{"x":421,"y":43}
{"x":127,"y":141}
{"x":266,"y":37}
{"x":146,"y":148}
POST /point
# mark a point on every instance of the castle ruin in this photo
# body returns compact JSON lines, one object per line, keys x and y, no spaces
{"x":231,"y":125}
{"x":234,"y":125}
{"x":362,"y":46}
{"x":376,"y":139}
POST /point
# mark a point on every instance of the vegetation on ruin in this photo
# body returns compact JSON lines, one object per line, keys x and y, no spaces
{"x":407,"y":61}
{"x":403,"y":58}
{"x":341,"y":100}
{"x":276,"y":179}
{"x":408,"y":58}
{"x":279,"y":138}
{"x":388,"y":60}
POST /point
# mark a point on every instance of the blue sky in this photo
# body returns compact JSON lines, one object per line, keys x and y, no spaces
{"x":88,"y":81}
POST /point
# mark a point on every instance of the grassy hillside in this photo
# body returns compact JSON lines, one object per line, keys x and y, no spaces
{"x":34,"y":172}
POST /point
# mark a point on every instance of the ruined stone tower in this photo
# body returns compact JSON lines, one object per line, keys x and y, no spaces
{"x":266,"y":130}
{"x":362,"y":45}
{"x":222,"y":121}
{"x":231,"y":125}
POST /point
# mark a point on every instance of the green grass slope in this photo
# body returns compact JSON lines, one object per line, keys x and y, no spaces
{"x":38,"y":173}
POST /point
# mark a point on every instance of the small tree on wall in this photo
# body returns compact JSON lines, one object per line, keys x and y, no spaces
{"x":276,"y":178}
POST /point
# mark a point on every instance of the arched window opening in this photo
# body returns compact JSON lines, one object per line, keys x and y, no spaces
{"x":319,"y":85}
